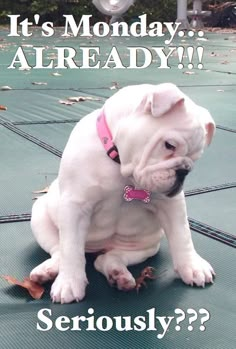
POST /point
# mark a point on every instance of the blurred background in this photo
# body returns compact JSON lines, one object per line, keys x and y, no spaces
{"x":223,"y":12}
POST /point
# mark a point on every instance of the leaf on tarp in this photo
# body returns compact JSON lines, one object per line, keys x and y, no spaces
{"x":39,"y":83}
{"x":66,"y":102}
{"x":35,"y":290}
{"x":189,"y":72}
{"x":2,"y":107}
{"x":77,"y":99}
{"x":202,"y":39}
{"x":41,"y":191}
{"x":56,"y":74}
{"x":27,"y":45}
{"x":83,"y":99}
{"x":24,"y":68}
{"x":115,"y":86}
{"x":5,"y":88}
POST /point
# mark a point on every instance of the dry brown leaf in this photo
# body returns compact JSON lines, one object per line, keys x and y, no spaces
{"x":35,"y":290}
{"x":2,"y":107}
{"x":41,"y":191}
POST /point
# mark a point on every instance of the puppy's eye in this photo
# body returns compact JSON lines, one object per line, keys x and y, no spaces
{"x":169,"y":146}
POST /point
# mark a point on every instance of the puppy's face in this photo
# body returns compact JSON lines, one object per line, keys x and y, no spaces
{"x":167,"y":133}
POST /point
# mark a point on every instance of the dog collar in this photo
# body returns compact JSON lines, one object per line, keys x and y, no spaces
{"x":104,"y":133}
{"x":106,"y":138}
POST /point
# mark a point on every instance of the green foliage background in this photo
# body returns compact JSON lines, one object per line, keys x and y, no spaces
{"x":52,"y":10}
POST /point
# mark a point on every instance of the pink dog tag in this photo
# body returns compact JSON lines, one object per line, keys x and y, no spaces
{"x":130,"y":193}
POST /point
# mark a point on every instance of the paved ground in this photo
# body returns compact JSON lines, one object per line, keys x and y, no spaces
{"x":33,"y":133}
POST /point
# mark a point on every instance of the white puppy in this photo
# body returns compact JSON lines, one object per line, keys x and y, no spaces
{"x":122,"y":204}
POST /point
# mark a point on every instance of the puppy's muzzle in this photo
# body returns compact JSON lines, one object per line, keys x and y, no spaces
{"x":177,"y":187}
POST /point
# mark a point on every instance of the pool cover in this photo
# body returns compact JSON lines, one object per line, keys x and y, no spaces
{"x":33,"y":132}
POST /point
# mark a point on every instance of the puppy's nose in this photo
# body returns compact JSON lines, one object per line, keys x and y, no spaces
{"x":181,"y":173}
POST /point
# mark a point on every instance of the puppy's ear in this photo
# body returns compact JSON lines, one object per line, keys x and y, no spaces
{"x":210,"y":127}
{"x":163,"y":99}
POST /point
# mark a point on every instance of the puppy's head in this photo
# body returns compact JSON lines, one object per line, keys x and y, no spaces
{"x":161,"y":136}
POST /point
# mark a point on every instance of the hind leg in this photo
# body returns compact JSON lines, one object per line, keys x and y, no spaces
{"x":113,"y":265}
{"x":46,"y":234}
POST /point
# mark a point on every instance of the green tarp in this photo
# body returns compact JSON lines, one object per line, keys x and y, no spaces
{"x":33,"y":133}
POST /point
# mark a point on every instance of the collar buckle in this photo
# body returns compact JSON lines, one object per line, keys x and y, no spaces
{"x":113,"y":154}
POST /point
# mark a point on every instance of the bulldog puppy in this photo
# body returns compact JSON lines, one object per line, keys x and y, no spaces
{"x":119,"y":189}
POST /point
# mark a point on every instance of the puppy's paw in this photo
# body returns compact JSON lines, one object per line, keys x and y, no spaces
{"x":195,"y":271}
{"x":45,"y":271}
{"x":117,"y":274}
{"x":121,"y":278}
{"x":68,"y":288}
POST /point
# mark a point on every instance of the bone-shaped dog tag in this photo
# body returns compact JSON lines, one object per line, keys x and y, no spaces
{"x":130,"y":193}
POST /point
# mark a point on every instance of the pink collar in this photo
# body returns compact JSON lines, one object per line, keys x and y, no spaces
{"x":105,"y":136}
{"x":104,"y":133}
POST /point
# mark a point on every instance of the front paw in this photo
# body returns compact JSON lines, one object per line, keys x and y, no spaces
{"x":68,"y":288}
{"x":195,"y":270}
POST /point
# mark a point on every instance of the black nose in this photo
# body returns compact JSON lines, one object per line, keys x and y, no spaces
{"x":181,"y":174}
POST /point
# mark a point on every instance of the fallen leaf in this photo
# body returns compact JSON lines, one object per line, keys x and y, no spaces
{"x":39,"y":83}
{"x":82,"y":99}
{"x":114,"y":86}
{"x":56,"y":74}
{"x":66,"y":102}
{"x":2,"y":107}
{"x":27,"y":45}
{"x":92,"y":98}
{"x":76,"y":99}
{"x":24,"y":68}
{"x":189,"y":72}
{"x":5,"y":88}
{"x":35,"y":290}
{"x":42,"y":191}
{"x":202,"y":39}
